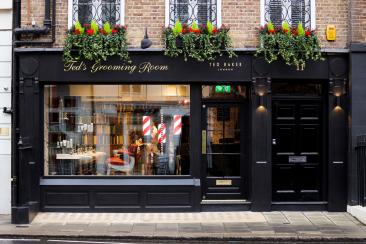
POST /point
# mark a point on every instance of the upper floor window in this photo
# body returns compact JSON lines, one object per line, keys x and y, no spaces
{"x":189,"y":11}
{"x":101,"y":11}
{"x":291,"y":11}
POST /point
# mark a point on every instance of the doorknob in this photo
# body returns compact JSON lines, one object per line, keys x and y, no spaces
{"x":274,"y":142}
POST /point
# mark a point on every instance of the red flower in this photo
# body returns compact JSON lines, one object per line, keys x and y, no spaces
{"x":307,"y":33}
{"x":102,"y":31}
{"x":294,"y":32}
{"x":214,"y":30}
{"x":197,"y":31}
{"x":271,"y":31}
{"x":77,"y":32}
{"x":285,"y":31}
{"x":184,"y":31}
{"x":114,"y":31}
{"x":90,"y":32}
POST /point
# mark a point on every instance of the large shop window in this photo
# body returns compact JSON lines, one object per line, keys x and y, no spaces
{"x":116,"y":129}
{"x":291,"y":11}
{"x":101,"y":11}
{"x":189,"y":11}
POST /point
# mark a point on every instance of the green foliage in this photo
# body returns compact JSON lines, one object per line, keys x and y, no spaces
{"x":194,"y":26}
{"x":94,"y":26}
{"x":79,"y":27}
{"x":300,"y":30}
{"x":107,"y":28}
{"x":293,"y":48}
{"x":210,"y":27}
{"x":96,"y":46}
{"x":270,"y":26}
{"x":177,"y":29}
{"x":286,"y":27}
{"x":198,"y":43}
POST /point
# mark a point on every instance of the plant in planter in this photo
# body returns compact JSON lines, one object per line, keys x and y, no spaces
{"x":295,"y":46}
{"x":92,"y":42}
{"x":201,"y":43}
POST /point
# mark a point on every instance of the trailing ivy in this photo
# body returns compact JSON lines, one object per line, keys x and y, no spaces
{"x":96,"y":44}
{"x":201,"y":43}
{"x":294,"y":46}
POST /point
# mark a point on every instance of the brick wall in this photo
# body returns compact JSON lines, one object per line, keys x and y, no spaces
{"x":242,"y":16}
{"x":358,"y":20}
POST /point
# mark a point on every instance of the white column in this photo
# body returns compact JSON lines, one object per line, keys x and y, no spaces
{"x":5,"y":101}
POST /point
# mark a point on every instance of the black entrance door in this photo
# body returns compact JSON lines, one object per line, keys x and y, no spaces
{"x":297,"y":149}
{"x":222,"y":135}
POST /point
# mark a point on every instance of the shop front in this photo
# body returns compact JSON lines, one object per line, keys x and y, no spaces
{"x":160,"y":134}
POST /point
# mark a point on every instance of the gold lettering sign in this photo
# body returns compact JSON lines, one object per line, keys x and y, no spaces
{"x":144,"y":67}
{"x":224,"y":182}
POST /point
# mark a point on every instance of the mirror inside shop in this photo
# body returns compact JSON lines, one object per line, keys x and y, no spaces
{"x":99,"y":130}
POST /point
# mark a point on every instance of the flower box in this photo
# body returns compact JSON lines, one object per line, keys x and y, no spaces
{"x":294,"y":46}
{"x":94,"y":43}
{"x":201,"y":43}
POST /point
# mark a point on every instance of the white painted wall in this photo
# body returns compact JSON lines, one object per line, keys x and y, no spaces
{"x":5,"y":101}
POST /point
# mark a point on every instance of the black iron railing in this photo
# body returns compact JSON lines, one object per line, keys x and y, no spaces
{"x":361,"y":174}
{"x":99,"y":10}
{"x":291,"y":11}
{"x":188,"y":11}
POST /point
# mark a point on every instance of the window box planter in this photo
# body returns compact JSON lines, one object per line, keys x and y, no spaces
{"x":294,"y":46}
{"x":200,"y":43}
{"x":95,"y":43}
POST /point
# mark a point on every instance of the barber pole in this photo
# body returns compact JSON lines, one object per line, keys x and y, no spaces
{"x":177,"y":125}
{"x":162,"y":133}
{"x":146,"y":125}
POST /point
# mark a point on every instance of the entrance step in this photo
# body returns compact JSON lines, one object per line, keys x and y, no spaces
{"x":225,"y":205}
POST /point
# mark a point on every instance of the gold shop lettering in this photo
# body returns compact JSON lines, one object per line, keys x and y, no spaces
{"x":145,"y":67}
{"x":74,"y":66}
{"x":130,"y":68}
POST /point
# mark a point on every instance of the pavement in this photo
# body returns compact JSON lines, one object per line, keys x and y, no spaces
{"x":250,"y":227}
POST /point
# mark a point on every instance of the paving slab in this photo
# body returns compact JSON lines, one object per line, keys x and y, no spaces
{"x":268,"y":227}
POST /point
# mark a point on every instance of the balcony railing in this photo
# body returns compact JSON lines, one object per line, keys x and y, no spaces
{"x":99,"y":10}
{"x":188,"y":11}
{"x":291,"y":11}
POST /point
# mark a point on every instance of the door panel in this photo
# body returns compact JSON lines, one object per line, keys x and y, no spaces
{"x":222,"y":160}
{"x":297,"y":149}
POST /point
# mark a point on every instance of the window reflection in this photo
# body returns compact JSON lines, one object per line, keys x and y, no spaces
{"x":117,"y":129}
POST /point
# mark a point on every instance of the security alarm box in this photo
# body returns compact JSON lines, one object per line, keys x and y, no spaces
{"x":331,"y":33}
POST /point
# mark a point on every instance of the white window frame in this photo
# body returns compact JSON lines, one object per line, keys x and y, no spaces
{"x":98,"y":2}
{"x":312,"y":14}
{"x":218,"y":14}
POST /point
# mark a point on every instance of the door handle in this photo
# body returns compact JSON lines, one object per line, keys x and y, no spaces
{"x":274,"y":142}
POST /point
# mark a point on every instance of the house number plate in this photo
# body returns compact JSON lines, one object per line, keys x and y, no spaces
{"x":297,"y":159}
{"x":224,"y":182}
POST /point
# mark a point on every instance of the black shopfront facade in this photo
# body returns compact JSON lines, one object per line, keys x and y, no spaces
{"x":163,"y":135}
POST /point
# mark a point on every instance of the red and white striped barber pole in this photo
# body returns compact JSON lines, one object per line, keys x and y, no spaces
{"x":146,"y":125}
{"x":177,"y":125}
{"x":162,"y":133}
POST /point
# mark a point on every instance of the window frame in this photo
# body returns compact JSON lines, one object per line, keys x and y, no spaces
{"x":70,"y":13}
{"x":218,"y":14}
{"x":312,"y":14}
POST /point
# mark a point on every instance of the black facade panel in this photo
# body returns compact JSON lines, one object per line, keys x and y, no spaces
{"x":64,"y":198}
{"x":116,"y":198}
{"x":168,"y":198}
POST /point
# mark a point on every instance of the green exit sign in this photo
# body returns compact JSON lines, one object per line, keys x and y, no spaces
{"x":223,"y":89}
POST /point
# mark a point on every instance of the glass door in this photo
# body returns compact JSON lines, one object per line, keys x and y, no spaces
{"x":222,"y":154}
